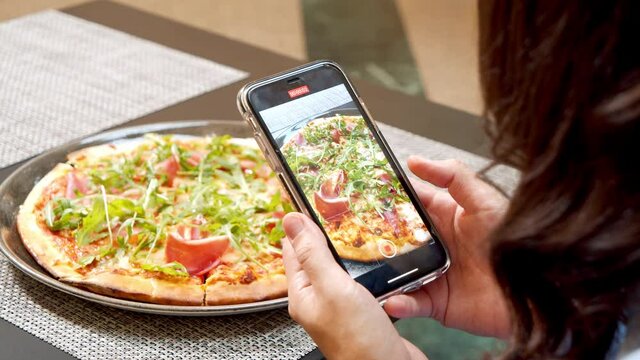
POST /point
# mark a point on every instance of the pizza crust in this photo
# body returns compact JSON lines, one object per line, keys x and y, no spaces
{"x":40,"y":242}
{"x":99,"y":151}
{"x":272,"y":287}
{"x":140,"y":288}
{"x":368,"y":252}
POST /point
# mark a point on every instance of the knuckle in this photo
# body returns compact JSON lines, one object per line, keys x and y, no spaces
{"x":458,"y":164}
{"x":292,"y":310}
{"x":304,"y":252}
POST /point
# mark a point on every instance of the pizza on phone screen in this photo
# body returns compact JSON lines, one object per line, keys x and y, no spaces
{"x":353,"y":190}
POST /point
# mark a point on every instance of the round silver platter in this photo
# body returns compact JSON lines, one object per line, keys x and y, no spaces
{"x":16,"y":187}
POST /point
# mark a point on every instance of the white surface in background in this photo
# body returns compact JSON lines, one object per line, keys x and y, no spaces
{"x":282,"y":116}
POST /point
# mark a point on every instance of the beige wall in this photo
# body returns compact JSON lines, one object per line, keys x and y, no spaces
{"x":443,"y":38}
{"x":14,"y":8}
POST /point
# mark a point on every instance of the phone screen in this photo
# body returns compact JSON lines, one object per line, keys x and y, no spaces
{"x":356,"y":193}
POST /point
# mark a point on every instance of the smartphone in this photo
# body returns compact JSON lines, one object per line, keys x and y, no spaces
{"x":318,"y":136}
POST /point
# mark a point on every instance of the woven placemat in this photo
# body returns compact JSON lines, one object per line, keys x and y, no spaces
{"x":62,"y":77}
{"x":92,"y":331}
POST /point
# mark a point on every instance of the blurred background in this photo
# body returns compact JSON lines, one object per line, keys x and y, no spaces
{"x":425,"y":48}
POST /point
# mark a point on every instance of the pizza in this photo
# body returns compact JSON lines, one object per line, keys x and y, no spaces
{"x":353,"y":190}
{"x":165,"y":219}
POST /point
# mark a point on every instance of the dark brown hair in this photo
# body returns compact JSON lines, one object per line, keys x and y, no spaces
{"x":561,"y":84}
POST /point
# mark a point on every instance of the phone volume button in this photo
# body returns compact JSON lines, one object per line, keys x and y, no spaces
{"x":250,"y":119}
{"x":260,"y":143}
{"x":364,"y":106}
{"x":366,"y":110}
{"x":286,"y":186}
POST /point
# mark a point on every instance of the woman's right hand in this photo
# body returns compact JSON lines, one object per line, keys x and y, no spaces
{"x":467,"y":297}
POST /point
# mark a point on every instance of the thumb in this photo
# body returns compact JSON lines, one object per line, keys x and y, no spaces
{"x":415,"y":304}
{"x":311,"y":249}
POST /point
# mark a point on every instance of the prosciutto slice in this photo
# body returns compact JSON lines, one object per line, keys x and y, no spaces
{"x":170,"y":168}
{"x":383,"y":176}
{"x":300,"y":140}
{"x":75,"y":183}
{"x":391,"y":217}
{"x":336,"y":135}
{"x":329,"y":205}
{"x":198,"y":254}
{"x":331,"y":209}
{"x":334,"y":184}
{"x":196,"y":158}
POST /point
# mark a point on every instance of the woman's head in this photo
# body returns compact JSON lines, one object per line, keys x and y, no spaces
{"x":561,"y":83}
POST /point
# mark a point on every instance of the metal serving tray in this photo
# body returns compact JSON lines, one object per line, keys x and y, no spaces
{"x":16,"y":187}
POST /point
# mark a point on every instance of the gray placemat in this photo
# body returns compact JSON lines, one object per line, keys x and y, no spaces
{"x":62,"y":77}
{"x":91,"y":331}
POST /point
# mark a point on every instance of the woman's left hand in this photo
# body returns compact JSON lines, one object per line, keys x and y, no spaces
{"x":341,"y":316}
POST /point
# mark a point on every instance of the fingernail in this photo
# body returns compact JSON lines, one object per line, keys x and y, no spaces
{"x":293,"y":225}
{"x":416,"y":158}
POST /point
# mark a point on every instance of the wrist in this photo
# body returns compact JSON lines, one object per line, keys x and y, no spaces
{"x":413,"y":352}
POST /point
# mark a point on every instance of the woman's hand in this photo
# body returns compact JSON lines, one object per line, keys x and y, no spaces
{"x":341,"y":316}
{"x":467,"y":297}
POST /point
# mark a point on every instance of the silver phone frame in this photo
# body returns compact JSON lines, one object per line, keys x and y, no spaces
{"x":249,"y":116}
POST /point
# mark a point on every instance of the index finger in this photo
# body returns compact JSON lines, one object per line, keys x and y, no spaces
{"x":462,"y":183}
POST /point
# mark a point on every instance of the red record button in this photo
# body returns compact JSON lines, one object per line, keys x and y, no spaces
{"x":299,"y":91}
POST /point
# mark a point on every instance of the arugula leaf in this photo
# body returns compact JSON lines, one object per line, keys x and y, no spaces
{"x":152,"y":197}
{"x":123,"y":208}
{"x":95,"y":221}
{"x":159,"y":233}
{"x":89,"y":259}
{"x":116,"y":173}
{"x":218,"y":145}
{"x":148,"y":237}
{"x":86,"y":260}
{"x":62,"y":214}
{"x":122,"y":242}
{"x":276,"y":234}
{"x":276,"y":201}
{"x":47,"y":212}
{"x":91,"y":224}
{"x":144,"y":239}
{"x":287,"y":207}
{"x":172,"y":268}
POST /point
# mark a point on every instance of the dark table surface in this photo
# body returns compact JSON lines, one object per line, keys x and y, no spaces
{"x":410,"y":113}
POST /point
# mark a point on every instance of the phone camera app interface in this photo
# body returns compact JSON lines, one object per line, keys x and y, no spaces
{"x":346,"y":178}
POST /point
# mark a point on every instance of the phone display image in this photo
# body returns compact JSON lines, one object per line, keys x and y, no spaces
{"x":353,"y":190}
{"x":346,"y":177}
